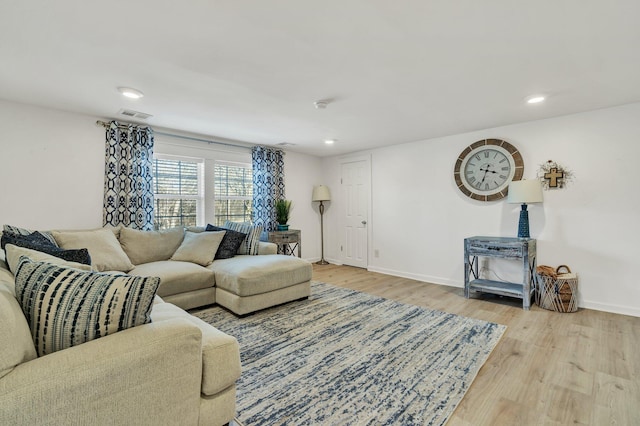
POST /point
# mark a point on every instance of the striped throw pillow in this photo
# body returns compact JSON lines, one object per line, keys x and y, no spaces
{"x":66,"y":307}
{"x":250,"y":243}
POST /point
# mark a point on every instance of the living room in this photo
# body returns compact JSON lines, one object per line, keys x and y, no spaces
{"x":589,"y":225}
{"x":417,"y":219}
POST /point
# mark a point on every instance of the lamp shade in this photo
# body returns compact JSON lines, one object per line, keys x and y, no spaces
{"x":525,"y":191}
{"x":321,"y":193}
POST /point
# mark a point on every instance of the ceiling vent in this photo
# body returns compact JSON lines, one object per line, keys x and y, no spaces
{"x":285,"y":144}
{"x":134,"y":114}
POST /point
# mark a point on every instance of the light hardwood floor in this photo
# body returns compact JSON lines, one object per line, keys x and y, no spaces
{"x":549,"y":368}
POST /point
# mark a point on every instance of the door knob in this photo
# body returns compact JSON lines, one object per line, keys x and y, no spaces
{"x":364,"y":222}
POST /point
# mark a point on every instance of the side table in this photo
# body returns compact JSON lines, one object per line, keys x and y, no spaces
{"x":506,"y":248}
{"x":287,"y":241}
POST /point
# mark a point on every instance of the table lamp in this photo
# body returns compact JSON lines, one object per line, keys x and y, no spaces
{"x":524,"y":192}
{"x":321,"y":193}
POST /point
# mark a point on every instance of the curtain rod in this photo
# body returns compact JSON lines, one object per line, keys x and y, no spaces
{"x":124,"y":126}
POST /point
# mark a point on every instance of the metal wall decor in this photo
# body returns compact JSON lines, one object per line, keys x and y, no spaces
{"x":554,"y":175}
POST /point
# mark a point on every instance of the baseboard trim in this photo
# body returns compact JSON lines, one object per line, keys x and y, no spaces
{"x":614,"y":309}
{"x":418,"y":277}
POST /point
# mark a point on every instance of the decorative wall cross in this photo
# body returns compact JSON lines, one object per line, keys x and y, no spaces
{"x":553,"y":177}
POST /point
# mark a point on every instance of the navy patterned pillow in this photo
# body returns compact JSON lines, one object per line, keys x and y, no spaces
{"x":230,"y":243}
{"x":37,"y":241}
{"x":9,"y":229}
{"x":65,"y":307}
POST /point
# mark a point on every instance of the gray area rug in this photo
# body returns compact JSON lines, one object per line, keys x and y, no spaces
{"x":349,"y":358}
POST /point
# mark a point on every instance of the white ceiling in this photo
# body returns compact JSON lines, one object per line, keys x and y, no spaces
{"x":394,"y":71}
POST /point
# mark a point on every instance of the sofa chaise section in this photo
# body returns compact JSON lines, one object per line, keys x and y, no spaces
{"x":245,"y":284}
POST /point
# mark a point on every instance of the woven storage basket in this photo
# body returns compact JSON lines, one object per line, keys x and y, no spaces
{"x":558,"y":293}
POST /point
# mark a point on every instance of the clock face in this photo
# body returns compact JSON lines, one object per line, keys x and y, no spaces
{"x":485,"y":169}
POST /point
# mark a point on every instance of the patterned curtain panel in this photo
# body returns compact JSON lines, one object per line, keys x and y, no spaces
{"x":128,"y":180}
{"x":268,"y":185}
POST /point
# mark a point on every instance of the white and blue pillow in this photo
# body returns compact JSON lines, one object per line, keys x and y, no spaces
{"x":250,"y":243}
{"x":66,"y":307}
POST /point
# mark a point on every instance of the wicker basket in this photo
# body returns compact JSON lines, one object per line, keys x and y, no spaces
{"x":558,"y":292}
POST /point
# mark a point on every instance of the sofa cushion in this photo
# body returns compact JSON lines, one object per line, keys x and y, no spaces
{"x":176,"y":277}
{"x":39,"y":242}
{"x":104,"y":248}
{"x":250,"y":243}
{"x":5,"y":274}
{"x":65,"y":307}
{"x":199,"y":247}
{"x":14,"y":253}
{"x":249,"y":275}
{"x":220,"y":352}
{"x":150,"y":246}
{"x":230,"y":243}
{"x":265,"y":247}
{"x":16,"y":345}
{"x":9,"y":229}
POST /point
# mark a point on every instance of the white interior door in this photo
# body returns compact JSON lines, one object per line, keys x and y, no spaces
{"x":355,"y":187}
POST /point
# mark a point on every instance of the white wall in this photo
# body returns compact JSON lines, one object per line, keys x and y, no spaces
{"x":51,"y":168}
{"x":302,"y":172}
{"x":419,"y":218}
{"x":52,"y":171}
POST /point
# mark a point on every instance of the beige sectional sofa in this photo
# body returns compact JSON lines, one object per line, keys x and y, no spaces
{"x":175,"y":370}
{"x":243,"y":284}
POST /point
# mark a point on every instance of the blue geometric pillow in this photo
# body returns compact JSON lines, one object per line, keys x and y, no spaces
{"x":66,"y":307}
{"x":39,"y":242}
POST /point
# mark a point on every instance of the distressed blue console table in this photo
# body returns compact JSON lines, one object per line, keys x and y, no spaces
{"x":506,"y":248}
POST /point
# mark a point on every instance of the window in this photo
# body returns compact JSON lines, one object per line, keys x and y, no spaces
{"x":178,"y":191}
{"x":194,"y":191}
{"x":233,"y":192}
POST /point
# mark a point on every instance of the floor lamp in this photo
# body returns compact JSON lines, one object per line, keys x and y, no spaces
{"x":321,"y":193}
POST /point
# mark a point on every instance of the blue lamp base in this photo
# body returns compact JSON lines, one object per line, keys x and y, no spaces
{"x":523,"y":225}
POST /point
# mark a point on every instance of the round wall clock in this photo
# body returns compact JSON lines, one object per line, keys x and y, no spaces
{"x":485,"y":168}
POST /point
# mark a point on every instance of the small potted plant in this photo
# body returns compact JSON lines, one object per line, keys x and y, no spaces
{"x":283,"y":208}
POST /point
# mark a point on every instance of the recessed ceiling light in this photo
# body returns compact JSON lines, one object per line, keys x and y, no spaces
{"x":130,"y":93}
{"x":330,"y":141}
{"x":536,"y":99}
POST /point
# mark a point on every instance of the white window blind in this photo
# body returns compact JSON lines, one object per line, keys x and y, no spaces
{"x":233,"y":193}
{"x":178,"y":189}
